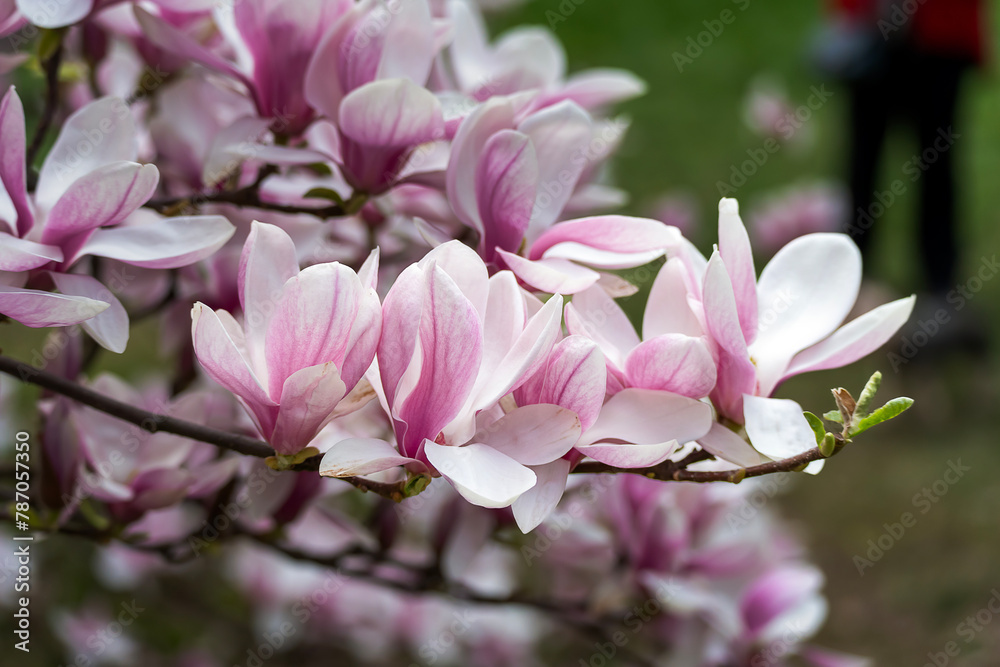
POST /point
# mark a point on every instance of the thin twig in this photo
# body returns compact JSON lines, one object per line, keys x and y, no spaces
{"x":52,"y":65}
{"x":248,"y":196}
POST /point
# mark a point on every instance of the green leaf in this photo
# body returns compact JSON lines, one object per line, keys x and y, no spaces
{"x":867,"y":396}
{"x":817,"y":426}
{"x":833,"y":416}
{"x":893,"y":408}
{"x":324,"y":193}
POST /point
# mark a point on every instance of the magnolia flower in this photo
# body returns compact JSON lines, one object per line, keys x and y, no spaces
{"x":273,"y":40}
{"x":509,"y":179}
{"x":306,"y":340}
{"x":764,"y":331}
{"x":86,"y":203}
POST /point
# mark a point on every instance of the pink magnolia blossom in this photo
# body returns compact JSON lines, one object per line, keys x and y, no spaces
{"x":509,"y":178}
{"x":273,"y":40}
{"x":86,"y":203}
{"x":306,"y":339}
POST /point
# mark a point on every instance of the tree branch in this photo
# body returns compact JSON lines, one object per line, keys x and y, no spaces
{"x":52,"y":65}
{"x":248,"y":196}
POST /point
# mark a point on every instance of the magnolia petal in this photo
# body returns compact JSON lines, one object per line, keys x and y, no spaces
{"x":13,"y":176}
{"x":615,"y":233}
{"x":221,"y":357}
{"x":854,"y":340}
{"x":776,"y":427}
{"x":392,"y":113}
{"x":647,"y":417}
{"x":34,"y":308}
{"x":308,"y":399}
{"x":172,"y":40}
{"x":466,"y":268}
{"x":672,"y":362}
{"x":736,"y":374}
{"x":598,"y":257}
{"x":533,"y":434}
{"x":361,"y":456}
{"x":105,"y":196}
{"x":667,"y":310}
{"x":408,"y":48}
{"x":724,"y":444}
{"x":630,"y":455}
{"x":94,"y":136}
{"x":734,"y":246}
{"x":110,"y":327}
{"x":506,"y":181}
{"x":597,"y":88}
{"x":574,"y":377}
{"x":46,"y":14}
{"x":18,"y":254}
{"x":481,"y":474}
{"x":534,"y":505}
{"x":803,"y":294}
{"x":477,"y":128}
{"x":553,"y":276}
{"x":163,"y":243}
{"x":597,"y":316}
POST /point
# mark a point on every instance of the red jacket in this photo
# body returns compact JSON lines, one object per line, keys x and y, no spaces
{"x":946,"y":27}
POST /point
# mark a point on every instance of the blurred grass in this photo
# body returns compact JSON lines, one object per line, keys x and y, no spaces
{"x":687,"y":132}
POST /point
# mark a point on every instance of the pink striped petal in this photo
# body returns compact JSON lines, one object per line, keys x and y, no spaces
{"x":221,"y":351}
{"x":308,"y":399}
{"x":647,"y":417}
{"x":734,"y":246}
{"x":392,"y":113}
{"x":626,"y":455}
{"x":12,"y":168}
{"x":574,"y":377}
{"x":594,"y":314}
{"x":22,"y":255}
{"x":160,"y":243}
{"x":598,"y":88}
{"x":506,"y":180}
{"x":110,"y":327}
{"x":267,"y":262}
{"x":533,"y":434}
{"x":553,"y":276}
{"x":672,"y":362}
{"x":34,"y":308}
{"x":616,"y":233}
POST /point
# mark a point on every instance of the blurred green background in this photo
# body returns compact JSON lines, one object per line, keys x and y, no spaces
{"x":687,"y":132}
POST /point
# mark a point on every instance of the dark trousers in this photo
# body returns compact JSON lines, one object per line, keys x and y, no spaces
{"x":920,"y":90}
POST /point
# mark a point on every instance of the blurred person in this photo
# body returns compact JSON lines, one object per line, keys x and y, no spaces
{"x":903,"y":62}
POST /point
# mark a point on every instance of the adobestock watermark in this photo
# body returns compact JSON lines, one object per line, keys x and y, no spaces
{"x":779,"y":648}
{"x":696,"y":44}
{"x":633,"y":620}
{"x":914,"y":168}
{"x":787,"y":127}
{"x":924,"y":501}
{"x":103,"y":641}
{"x":968,"y":629}
{"x":767,"y":488}
{"x":911,"y":344}
{"x":562,"y":519}
{"x":436,"y":648}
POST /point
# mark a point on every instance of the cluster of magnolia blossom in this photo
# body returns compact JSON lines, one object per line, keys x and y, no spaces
{"x":432,"y":293}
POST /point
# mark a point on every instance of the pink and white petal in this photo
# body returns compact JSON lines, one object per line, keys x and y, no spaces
{"x":615,"y":233}
{"x":222,"y":357}
{"x":105,"y":196}
{"x":597,"y":88}
{"x":46,"y":14}
{"x":605,"y":259}
{"x":724,"y":444}
{"x":734,"y":246}
{"x":481,"y":474}
{"x":465,"y":267}
{"x":172,"y":40}
{"x":672,"y":362}
{"x":324,"y":85}
{"x":533,"y":434}
{"x":161,"y":243}
{"x":736,"y":374}
{"x":595,"y":315}
{"x":361,"y":456}
{"x":667,"y":310}
{"x":368,"y":273}
{"x":506,"y":182}
{"x":312,"y":321}
{"x":776,"y":427}
{"x":627,"y":455}
{"x":392,"y":113}
{"x":159,"y":488}
{"x":363,"y":340}
{"x":308,"y":399}
{"x":487,"y":119}
{"x":408,"y":50}
{"x":575,"y":377}
{"x":34,"y":308}
{"x":560,"y":134}
{"x":211,"y":477}
{"x":646,"y":417}
{"x":856,"y":339}
{"x":110,"y":327}
{"x":552,"y":276}
{"x":451,"y":349}
{"x":13,"y":176}
{"x":18,"y":254}
{"x":94,"y":136}
{"x":534,"y":505}
{"x":803,"y":294}
{"x":267,"y":262}
{"x":534,"y":52}
{"x":400,"y":326}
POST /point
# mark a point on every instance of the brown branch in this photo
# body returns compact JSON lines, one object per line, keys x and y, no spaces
{"x":153,"y":422}
{"x":248,"y":197}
